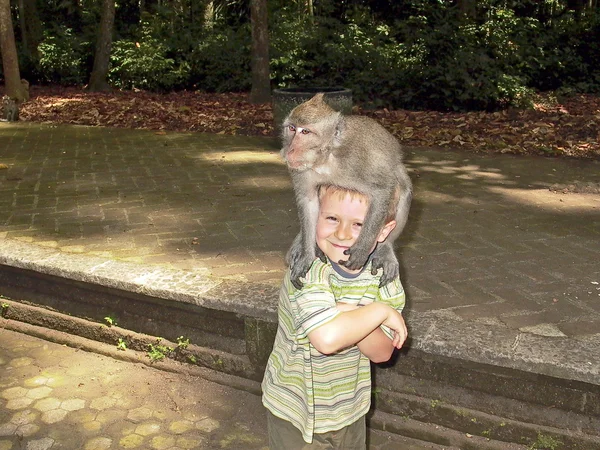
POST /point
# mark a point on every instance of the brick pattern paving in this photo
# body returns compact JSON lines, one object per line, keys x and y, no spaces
{"x":487,"y":240}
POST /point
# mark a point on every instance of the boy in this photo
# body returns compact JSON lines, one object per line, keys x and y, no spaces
{"x":317,"y":384}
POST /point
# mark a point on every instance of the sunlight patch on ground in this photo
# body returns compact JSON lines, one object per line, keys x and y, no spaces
{"x":264,"y":182}
{"x":470,"y":172}
{"x":242,"y":156}
{"x":62,"y":102}
{"x":545,"y":199}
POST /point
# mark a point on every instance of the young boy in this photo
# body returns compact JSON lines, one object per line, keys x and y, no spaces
{"x":317,"y":384}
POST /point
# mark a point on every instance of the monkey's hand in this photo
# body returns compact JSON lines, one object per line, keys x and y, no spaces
{"x":358,"y":256}
{"x":298,"y":270}
{"x":300,"y":261}
{"x":385,"y":258}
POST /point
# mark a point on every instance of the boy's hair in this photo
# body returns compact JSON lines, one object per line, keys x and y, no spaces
{"x":341,"y":193}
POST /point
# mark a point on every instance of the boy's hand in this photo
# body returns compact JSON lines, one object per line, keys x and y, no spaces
{"x":396,"y":323}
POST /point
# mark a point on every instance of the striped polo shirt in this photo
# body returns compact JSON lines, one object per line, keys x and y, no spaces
{"x":318,"y":393}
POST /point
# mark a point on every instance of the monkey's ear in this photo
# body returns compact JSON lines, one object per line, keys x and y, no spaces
{"x":340,"y":127}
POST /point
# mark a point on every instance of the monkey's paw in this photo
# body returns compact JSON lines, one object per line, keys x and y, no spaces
{"x":385,"y":258}
{"x":298,"y":270}
{"x":357,"y":258}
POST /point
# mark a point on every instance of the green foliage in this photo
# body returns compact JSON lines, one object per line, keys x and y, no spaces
{"x":110,"y":321}
{"x":544,"y":442}
{"x":182,"y":343}
{"x":414,"y":54}
{"x":4,"y":309}
{"x":61,"y":58}
{"x":221,"y":61}
{"x":121,"y":345}
{"x":156,"y":352}
{"x":435,"y":58}
{"x":145,"y":64}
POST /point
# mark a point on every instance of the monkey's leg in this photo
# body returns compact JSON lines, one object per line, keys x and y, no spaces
{"x":302,"y":253}
{"x":385,"y":258}
{"x":372,"y":225}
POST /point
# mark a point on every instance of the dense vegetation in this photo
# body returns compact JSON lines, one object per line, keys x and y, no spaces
{"x":419,"y":54}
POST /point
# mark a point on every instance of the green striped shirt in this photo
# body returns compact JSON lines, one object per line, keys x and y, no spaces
{"x":318,"y":393}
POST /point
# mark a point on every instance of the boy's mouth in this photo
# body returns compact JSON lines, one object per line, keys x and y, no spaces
{"x":341,"y":247}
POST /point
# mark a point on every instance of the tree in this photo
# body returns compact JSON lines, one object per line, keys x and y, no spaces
{"x":261,"y":83}
{"x":10,"y":61}
{"x":103,"y":44}
{"x":31,"y":28}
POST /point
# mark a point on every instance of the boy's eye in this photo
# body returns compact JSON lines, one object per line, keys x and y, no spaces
{"x":358,"y":224}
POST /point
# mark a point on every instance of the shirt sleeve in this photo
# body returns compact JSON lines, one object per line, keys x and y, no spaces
{"x":392,"y":294}
{"x":314,"y":304}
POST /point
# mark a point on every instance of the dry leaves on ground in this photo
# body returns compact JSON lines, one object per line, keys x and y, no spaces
{"x":570,"y":127}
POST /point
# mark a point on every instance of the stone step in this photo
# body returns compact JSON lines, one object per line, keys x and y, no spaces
{"x":441,"y":395}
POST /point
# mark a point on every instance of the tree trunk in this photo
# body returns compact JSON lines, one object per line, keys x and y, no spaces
{"x":10,"y":62}
{"x":261,"y":83}
{"x":103,"y":43}
{"x":31,"y":28}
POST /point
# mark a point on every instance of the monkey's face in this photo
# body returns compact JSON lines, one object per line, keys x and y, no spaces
{"x":302,"y":149}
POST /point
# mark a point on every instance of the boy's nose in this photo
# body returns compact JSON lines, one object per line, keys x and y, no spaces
{"x":344,"y":232}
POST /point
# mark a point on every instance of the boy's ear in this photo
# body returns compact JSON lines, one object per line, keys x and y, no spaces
{"x":386,"y":230}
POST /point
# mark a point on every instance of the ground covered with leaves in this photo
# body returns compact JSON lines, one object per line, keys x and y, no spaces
{"x":568,"y":126}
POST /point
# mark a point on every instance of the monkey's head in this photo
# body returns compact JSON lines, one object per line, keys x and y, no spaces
{"x":309,"y":133}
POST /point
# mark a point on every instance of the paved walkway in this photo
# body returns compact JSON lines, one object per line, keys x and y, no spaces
{"x":56,"y":397}
{"x":500,"y":257}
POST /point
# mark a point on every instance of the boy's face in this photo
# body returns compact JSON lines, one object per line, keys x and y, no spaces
{"x":339,"y":224}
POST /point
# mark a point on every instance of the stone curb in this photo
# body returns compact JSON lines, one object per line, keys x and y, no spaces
{"x":437,"y":333}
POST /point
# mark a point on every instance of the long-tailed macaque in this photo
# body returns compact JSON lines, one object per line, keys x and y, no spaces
{"x":10,"y":109}
{"x":323,"y":146}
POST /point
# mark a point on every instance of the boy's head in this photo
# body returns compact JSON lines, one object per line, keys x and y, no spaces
{"x":341,"y":215}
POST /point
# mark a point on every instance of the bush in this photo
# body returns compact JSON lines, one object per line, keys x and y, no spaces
{"x":145,"y":65}
{"x":357,"y":55}
{"x":61,"y":58}
{"x":221,"y":62}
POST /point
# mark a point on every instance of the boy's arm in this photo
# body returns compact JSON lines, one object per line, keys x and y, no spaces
{"x":351,"y":327}
{"x":377,"y":346}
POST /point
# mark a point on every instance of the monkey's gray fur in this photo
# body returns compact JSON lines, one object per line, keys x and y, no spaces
{"x":10,"y":109}
{"x":323,"y":146}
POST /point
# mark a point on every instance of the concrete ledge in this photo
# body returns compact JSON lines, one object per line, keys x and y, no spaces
{"x":435,"y":333}
{"x":192,"y":287}
{"x":477,"y":379}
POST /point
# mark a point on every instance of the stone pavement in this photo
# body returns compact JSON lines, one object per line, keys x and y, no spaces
{"x":56,"y":397}
{"x":500,"y":258}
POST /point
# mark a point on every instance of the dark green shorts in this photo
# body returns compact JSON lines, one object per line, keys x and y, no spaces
{"x":285,"y":436}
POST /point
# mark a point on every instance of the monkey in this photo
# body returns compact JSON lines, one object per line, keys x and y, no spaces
{"x":25,"y":91}
{"x":11,"y":109}
{"x":323,"y":146}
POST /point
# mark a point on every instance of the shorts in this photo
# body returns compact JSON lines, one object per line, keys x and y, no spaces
{"x":285,"y":436}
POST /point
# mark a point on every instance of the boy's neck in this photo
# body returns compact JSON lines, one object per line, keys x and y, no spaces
{"x":342,"y":271}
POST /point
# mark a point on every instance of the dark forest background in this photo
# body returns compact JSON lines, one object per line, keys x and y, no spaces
{"x":441,"y":55}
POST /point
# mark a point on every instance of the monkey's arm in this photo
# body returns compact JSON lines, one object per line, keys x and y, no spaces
{"x":385,"y":258}
{"x":303,"y":252}
{"x":372,"y":225}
